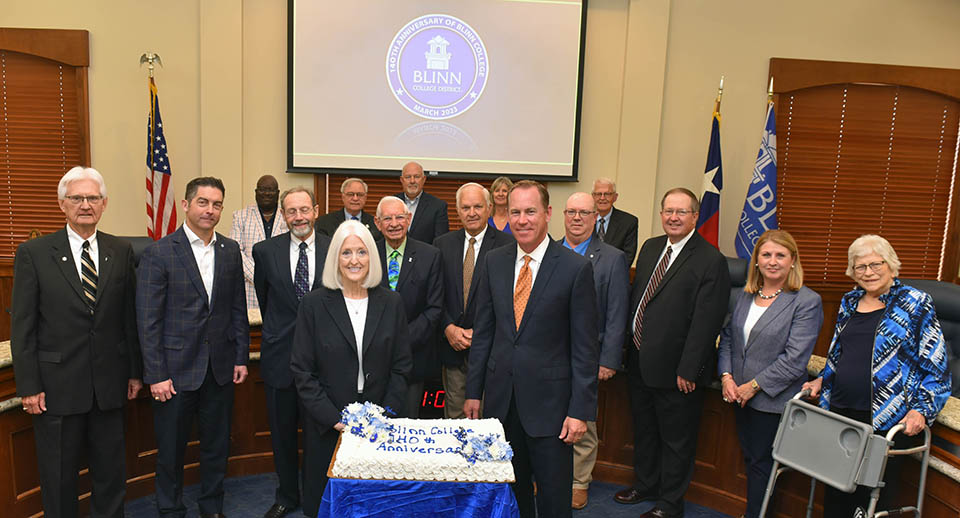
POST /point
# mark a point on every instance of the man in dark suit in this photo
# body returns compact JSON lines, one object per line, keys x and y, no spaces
{"x":428,"y":214}
{"x":353,"y":191}
{"x":288,"y":266}
{"x":462,"y":252}
{"x":412,"y":269}
{"x":679,"y":299}
{"x":534,"y":356}
{"x":192,"y":319}
{"x":614,"y":226}
{"x":612,"y":282}
{"x":76,"y":357}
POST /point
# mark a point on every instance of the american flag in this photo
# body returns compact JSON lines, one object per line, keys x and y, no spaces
{"x":161,"y":209}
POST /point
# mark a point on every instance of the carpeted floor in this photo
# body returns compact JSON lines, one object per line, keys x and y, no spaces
{"x":250,"y":497}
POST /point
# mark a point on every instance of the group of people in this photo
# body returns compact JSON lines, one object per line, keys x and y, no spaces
{"x":520,"y":327}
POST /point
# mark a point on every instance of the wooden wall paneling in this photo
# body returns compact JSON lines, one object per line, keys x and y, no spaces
{"x":6,"y":297}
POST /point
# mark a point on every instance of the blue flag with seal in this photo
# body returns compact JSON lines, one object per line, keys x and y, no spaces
{"x":760,"y":207}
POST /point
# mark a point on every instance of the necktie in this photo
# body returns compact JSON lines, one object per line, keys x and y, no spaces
{"x":468,"y":263}
{"x":521,"y":293}
{"x":354,"y":218}
{"x":393,"y":270}
{"x":88,"y":276}
{"x":301,"y":276}
{"x":648,"y":293}
{"x":602,"y":231}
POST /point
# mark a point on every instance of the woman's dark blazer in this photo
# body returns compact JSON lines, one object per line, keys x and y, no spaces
{"x":324,"y":357}
{"x":779,"y":347}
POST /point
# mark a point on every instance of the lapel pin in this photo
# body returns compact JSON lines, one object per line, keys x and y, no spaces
{"x":409,"y":259}
{"x":105,"y":259}
{"x":591,"y":256}
{"x":64,"y":258}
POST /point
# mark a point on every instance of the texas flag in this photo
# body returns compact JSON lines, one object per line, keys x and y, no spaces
{"x":708,"y":224}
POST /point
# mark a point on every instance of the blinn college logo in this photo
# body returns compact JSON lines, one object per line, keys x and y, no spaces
{"x":437,"y":66}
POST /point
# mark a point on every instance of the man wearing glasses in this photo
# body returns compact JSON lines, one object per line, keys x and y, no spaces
{"x":254,"y":223}
{"x":614,"y":226}
{"x":76,"y":356}
{"x":611,"y":278}
{"x":428,"y":214}
{"x":354,"y":194}
{"x":679,"y":299}
{"x":288,"y":266}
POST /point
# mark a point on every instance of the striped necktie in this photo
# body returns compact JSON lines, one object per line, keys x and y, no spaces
{"x":602,"y":231}
{"x":468,"y":264}
{"x":648,"y":294}
{"x":88,"y":277}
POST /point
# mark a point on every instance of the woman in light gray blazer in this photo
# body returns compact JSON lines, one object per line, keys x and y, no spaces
{"x":764,"y":350}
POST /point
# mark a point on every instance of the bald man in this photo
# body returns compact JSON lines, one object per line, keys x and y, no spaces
{"x":428,"y":214}
{"x":254,"y":223}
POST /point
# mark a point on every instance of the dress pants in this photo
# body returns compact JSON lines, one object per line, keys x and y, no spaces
{"x":212,"y":405}
{"x":318,"y":447}
{"x":665,"y":426}
{"x":414,"y":400}
{"x":283,"y":413}
{"x":837,"y":504}
{"x":756,"y":431}
{"x":61,"y":443}
{"x":454,"y":390}
{"x":585,"y":457}
{"x":549,"y":461}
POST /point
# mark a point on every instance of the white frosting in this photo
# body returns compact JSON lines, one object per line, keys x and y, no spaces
{"x":420,"y":449}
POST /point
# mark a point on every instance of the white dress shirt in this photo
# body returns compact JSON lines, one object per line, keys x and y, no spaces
{"x":76,"y":248}
{"x":476,"y":244}
{"x":311,"y":257}
{"x":412,"y":204}
{"x":204,"y":256}
{"x":537,"y":259}
{"x":348,"y":217}
{"x":357,"y":309}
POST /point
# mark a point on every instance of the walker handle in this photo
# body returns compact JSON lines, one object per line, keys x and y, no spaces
{"x":805,"y":393}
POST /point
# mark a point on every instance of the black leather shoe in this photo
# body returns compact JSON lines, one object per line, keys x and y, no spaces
{"x":214,"y":515}
{"x":277,"y":511}
{"x":656,"y":512}
{"x":632,"y":495}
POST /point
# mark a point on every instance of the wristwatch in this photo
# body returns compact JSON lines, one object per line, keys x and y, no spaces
{"x":754,"y":385}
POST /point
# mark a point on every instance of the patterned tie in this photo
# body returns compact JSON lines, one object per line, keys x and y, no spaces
{"x":648,"y":293}
{"x":301,"y":277}
{"x":602,"y":231}
{"x":393,"y":270}
{"x":521,"y":293}
{"x":468,"y":261}
{"x":88,"y":277}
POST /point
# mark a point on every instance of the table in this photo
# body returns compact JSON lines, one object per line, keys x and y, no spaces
{"x":350,"y":498}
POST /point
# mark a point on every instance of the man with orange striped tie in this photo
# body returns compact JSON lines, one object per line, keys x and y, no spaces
{"x":535,"y":352}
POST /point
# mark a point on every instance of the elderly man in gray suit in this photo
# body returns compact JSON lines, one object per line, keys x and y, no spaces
{"x":612,"y":279}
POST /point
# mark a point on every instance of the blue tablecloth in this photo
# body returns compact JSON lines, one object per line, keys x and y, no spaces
{"x":345,"y":498}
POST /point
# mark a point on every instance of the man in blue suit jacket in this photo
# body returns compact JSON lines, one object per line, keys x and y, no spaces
{"x":428,"y":214}
{"x":612,"y":279}
{"x":286,"y":268}
{"x":195,"y":337}
{"x":534,"y":355}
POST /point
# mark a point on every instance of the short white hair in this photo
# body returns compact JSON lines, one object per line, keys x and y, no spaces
{"x":348,"y":181}
{"x":80,"y":173}
{"x":605,"y":180}
{"x":332,"y":278}
{"x":872,"y":244}
{"x":390,"y":199}
{"x":486,"y":193}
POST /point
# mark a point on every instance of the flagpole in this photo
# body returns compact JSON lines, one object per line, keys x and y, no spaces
{"x":716,"y":104}
{"x":770,"y":91}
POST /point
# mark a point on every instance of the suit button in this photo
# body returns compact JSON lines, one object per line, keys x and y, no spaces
{"x":366,"y":376}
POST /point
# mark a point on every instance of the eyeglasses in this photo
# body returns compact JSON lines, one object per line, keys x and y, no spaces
{"x":390,"y":219}
{"x":875,"y":267}
{"x":354,"y":194}
{"x":582,"y":213}
{"x":77,"y":199}
{"x":303,"y":211}
{"x":679,"y":212}
{"x":604,"y":194}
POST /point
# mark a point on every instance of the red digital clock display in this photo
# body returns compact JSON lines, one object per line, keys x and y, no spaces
{"x":433,"y":398}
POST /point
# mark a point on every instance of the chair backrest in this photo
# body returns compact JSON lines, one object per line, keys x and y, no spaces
{"x":946,"y":298}
{"x":139,"y":244}
{"x":738,"y":279}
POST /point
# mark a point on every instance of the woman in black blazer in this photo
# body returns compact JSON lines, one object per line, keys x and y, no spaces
{"x":350,"y":345}
{"x":764,"y":350}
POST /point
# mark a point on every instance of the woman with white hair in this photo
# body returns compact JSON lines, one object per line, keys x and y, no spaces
{"x":887,"y":362}
{"x":350,"y":345}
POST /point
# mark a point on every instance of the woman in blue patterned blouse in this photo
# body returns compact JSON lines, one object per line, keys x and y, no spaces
{"x":887,"y":362}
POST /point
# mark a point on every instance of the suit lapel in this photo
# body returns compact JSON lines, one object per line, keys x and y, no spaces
{"x":544,"y":273}
{"x":409,"y":259}
{"x":218,"y":267}
{"x":457,"y":266}
{"x":649,"y":256}
{"x":507,"y":284}
{"x":337,"y":309}
{"x":106,"y":261}
{"x":320,"y":256}
{"x":63,"y":256}
{"x":185,"y":255}
{"x":485,"y":246}
{"x":281,"y":254}
{"x":375,"y":307}
{"x":685,"y":253}
{"x":593,"y":252}
{"x":782,"y":302}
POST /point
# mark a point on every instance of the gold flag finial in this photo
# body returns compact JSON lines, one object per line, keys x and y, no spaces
{"x":150,"y":58}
